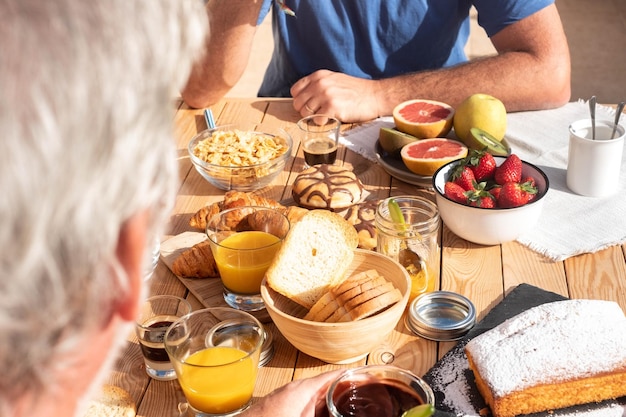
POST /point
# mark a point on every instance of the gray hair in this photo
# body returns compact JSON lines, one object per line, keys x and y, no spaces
{"x":86,"y":112}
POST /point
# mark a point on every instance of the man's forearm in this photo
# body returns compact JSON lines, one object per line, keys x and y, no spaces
{"x":516,"y":78}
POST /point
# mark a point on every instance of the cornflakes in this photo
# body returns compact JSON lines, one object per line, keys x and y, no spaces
{"x":238,"y":148}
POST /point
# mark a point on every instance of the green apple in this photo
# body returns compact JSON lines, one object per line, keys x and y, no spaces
{"x":482,"y":111}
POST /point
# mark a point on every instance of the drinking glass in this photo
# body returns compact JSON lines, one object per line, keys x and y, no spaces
{"x":215,"y":352}
{"x":152,"y":258}
{"x":244,"y":241}
{"x":156,"y":315}
{"x":319,"y":138}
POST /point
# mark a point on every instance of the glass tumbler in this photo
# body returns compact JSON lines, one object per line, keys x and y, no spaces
{"x":215,"y":352}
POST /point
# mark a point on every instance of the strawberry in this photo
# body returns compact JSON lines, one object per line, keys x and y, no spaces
{"x":485,"y":200}
{"x":530,"y":180}
{"x":480,"y":197}
{"x":455,"y":192}
{"x":464,"y":176}
{"x":495,"y":191}
{"x":514,"y":194}
{"x":509,"y":171}
{"x":483,"y":164}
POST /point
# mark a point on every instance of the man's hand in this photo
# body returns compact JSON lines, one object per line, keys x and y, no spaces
{"x":296,"y":399}
{"x":347,"y":98}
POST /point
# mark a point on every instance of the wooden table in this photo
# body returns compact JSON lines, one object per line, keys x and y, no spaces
{"x":485,"y":274}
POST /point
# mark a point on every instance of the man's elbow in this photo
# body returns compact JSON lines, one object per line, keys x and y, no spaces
{"x":196,"y":100}
{"x":560,"y":83}
{"x":553,"y":86}
{"x":199,"y":96}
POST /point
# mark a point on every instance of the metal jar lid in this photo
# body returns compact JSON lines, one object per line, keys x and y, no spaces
{"x":441,"y":316}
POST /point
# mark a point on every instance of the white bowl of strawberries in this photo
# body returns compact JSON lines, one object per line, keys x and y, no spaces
{"x":489,"y":199}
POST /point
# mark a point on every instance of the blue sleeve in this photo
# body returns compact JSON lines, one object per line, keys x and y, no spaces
{"x":265,"y":9}
{"x":495,"y":15}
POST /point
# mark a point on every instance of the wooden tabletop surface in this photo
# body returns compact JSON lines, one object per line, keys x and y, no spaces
{"x":484,"y":274}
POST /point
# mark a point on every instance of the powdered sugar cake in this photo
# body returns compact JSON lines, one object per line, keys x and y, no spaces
{"x":552,"y":356}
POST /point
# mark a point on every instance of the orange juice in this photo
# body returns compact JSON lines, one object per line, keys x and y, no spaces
{"x":243,"y":258}
{"x":223,"y":381}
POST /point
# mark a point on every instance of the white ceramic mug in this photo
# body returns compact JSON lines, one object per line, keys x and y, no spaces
{"x":593,"y":167}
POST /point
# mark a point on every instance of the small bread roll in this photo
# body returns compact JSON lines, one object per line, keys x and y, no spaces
{"x":327,"y":187}
{"x":112,"y":402}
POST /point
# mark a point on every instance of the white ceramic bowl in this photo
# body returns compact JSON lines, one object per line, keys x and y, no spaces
{"x":490,"y":226}
{"x":341,"y":342}
{"x":242,"y":178}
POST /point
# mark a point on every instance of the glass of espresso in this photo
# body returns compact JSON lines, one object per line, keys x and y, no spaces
{"x":319,"y":136}
{"x":375,"y":391}
{"x":156,"y":315}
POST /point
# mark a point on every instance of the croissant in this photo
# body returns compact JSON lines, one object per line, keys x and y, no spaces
{"x":196,"y":262}
{"x":199,"y":219}
{"x":232,"y":199}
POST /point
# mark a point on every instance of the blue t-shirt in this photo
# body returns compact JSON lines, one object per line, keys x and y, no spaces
{"x":375,"y":39}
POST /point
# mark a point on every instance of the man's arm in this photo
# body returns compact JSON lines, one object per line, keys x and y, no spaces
{"x":531,"y":71}
{"x":232,"y":29}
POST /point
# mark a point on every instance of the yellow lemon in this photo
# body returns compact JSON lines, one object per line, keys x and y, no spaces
{"x":482,"y":111}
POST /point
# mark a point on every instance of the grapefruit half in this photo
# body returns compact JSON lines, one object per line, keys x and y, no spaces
{"x":426,"y":156}
{"x":423,"y":118}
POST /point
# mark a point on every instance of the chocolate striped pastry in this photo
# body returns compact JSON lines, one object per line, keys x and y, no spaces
{"x":362,"y":217}
{"x":327,"y":187}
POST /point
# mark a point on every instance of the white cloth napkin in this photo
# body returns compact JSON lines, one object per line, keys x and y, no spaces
{"x":570,"y":224}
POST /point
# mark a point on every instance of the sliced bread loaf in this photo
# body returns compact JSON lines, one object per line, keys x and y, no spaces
{"x":313,"y":258}
{"x":359,"y":296}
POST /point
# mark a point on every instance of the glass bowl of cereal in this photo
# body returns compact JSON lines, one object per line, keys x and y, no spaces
{"x":242,"y":157}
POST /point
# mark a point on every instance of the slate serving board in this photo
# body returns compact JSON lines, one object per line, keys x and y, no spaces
{"x":451,"y":374}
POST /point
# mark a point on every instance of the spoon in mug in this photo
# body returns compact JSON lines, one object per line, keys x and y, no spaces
{"x":618,"y":114}
{"x":592,"y":110}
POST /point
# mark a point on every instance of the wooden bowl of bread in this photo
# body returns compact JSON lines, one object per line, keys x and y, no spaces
{"x":329,"y":299}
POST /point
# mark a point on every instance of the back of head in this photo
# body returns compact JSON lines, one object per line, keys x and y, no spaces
{"x":86,"y":111}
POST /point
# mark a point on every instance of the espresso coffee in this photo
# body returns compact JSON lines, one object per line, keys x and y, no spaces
{"x":380,"y":398}
{"x":151,"y":341}
{"x":320,"y":150}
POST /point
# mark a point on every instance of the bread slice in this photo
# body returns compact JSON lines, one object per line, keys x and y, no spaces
{"x":358,"y":297}
{"x":313,"y":258}
{"x":373,"y":305}
{"x":352,"y":286}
